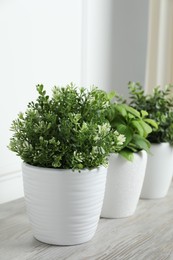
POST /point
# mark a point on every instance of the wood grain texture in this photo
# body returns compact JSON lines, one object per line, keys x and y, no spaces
{"x":148,"y":235}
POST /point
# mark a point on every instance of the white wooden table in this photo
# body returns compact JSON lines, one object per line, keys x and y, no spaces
{"x":146,"y":235}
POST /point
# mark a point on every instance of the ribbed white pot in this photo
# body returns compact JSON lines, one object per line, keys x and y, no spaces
{"x":159,"y":171}
{"x":63,"y":206}
{"x":123,"y":186}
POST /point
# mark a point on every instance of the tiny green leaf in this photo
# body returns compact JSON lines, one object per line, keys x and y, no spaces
{"x":111,"y":95}
{"x":144,"y":113}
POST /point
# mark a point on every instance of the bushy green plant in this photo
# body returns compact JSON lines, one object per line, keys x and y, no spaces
{"x":135,"y":125}
{"x":159,"y":106}
{"x":67,"y":130}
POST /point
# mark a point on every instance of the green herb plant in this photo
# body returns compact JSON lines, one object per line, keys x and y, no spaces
{"x":68,"y":130}
{"x":135,"y":125}
{"x":159,"y":106}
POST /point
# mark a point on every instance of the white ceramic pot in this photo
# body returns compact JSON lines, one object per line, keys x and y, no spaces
{"x":123,"y":186}
{"x":159,"y":171}
{"x":63,"y":206}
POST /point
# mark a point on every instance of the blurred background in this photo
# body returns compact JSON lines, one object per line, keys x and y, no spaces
{"x":54,"y":42}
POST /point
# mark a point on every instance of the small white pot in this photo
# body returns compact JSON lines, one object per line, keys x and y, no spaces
{"x":64,"y":206}
{"x":159,"y":171}
{"x":123,"y":186}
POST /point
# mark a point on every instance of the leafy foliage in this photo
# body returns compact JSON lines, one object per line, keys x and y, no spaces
{"x":67,"y":130}
{"x":159,"y":106}
{"x":133,"y":124}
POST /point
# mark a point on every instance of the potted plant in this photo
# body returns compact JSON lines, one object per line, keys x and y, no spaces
{"x":159,"y":106}
{"x":127,"y":168}
{"x":64,"y":142}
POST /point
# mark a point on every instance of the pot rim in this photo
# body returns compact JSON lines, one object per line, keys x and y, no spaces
{"x":135,"y":153}
{"x":161,"y":144}
{"x":55,"y":170}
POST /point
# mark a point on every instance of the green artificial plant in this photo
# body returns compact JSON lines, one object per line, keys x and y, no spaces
{"x":134,"y":124}
{"x":159,"y":105}
{"x":68,"y":130}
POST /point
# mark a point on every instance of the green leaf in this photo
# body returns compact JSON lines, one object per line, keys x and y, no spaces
{"x":127,"y":154}
{"x":130,"y":116}
{"x":131,"y":146}
{"x":141,"y":142}
{"x":118,"y":120}
{"x":121,"y":109}
{"x":151,"y":122}
{"x":147,"y":129}
{"x":137,"y":126}
{"x":21,"y":115}
{"x":110,"y":114}
{"x":144,"y":113}
{"x":131,"y":110}
{"x":111,"y":95}
{"x":39,"y":89}
{"x":121,"y":128}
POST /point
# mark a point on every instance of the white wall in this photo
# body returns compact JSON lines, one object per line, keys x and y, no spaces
{"x":101,"y":42}
{"x":97,"y":58}
{"x":115,"y":43}
{"x":129,"y":43}
{"x":40,"y":42}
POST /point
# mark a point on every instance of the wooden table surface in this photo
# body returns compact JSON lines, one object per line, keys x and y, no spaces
{"x":148,"y":235}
